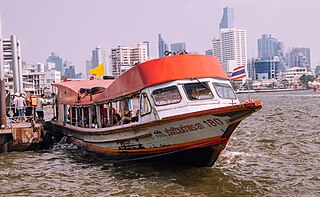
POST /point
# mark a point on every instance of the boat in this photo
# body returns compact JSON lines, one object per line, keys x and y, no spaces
{"x":174,"y":109}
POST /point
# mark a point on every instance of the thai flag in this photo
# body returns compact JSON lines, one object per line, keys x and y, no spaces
{"x":238,"y":73}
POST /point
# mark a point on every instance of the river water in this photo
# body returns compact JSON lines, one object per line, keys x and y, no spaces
{"x":276,"y":151}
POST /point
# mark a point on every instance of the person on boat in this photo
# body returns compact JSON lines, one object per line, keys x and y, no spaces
{"x":192,"y":94}
{"x":94,"y":120}
{"x":8,"y":103}
{"x":14,"y":101}
{"x":54,"y":105}
{"x":39,"y":109}
{"x":127,"y":118}
{"x":29,"y":108}
{"x":116,"y":116}
{"x":33,"y":100}
{"x":95,"y":124}
{"x":136,"y":118}
{"x":20,"y":104}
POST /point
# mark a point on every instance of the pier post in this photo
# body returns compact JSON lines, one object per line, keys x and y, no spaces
{"x":76,"y":116}
{"x":4,"y":148}
{"x":90,"y":116}
{"x":3,"y":120}
{"x":82,"y":116}
{"x":98,"y":115}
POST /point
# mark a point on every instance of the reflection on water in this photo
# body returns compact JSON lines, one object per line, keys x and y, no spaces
{"x":273,"y":152}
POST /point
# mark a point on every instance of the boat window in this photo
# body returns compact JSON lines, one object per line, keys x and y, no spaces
{"x":224,"y":91}
{"x":166,"y":96}
{"x":198,"y":91}
{"x":145,"y":107}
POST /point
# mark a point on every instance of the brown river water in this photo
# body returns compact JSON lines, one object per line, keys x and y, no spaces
{"x":276,"y":151}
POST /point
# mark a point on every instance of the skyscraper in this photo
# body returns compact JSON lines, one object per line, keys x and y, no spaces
{"x":70,"y":72}
{"x":269,"y":46}
{"x":300,"y":57}
{"x":233,"y":48}
{"x":217,"y":48}
{"x":162,"y":46}
{"x":54,"y":58}
{"x":178,"y":46}
{"x":88,"y":67}
{"x":227,"y":20}
{"x":99,"y":56}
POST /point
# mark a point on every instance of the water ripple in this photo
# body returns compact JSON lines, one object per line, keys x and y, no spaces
{"x":273,"y":152}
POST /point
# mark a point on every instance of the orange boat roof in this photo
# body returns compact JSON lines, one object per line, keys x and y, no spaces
{"x":163,"y":70}
{"x":144,"y":75}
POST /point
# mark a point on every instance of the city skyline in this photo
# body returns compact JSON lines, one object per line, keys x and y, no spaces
{"x":73,"y":34}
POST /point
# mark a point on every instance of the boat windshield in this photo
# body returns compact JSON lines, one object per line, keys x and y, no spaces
{"x":166,"y":96}
{"x":224,"y":91}
{"x":198,"y":91}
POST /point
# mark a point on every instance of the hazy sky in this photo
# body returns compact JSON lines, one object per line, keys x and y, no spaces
{"x":72,"y":28}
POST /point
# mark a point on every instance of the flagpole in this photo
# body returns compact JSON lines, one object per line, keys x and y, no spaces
{"x":240,"y":72}
{"x":247,"y":81}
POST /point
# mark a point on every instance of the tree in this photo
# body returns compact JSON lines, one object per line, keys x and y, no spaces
{"x":304,"y":79}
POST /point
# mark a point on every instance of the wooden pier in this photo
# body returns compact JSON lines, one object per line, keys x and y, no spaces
{"x":21,"y":137}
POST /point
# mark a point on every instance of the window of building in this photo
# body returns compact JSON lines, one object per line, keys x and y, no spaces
{"x":166,"y":96}
{"x":198,"y":91}
{"x":224,"y":91}
{"x":145,"y":107}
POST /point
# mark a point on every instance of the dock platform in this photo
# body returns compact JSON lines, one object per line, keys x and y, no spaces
{"x":21,"y":136}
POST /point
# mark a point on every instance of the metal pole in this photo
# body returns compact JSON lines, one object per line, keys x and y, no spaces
{"x":3,"y":120}
{"x":20,"y":65}
{"x":15,"y":64}
{"x":247,"y":81}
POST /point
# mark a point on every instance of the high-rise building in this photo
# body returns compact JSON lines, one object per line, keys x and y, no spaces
{"x":148,"y":47}
{"x":233,"y":48}
{"x":88,"y":67}
{"x":123,"y":58}
{"x":70,"y":72}
{"x":180,"y":46}
{"x":300,"y":57}
{"x":162,"y":46}
{"x":227,"y":20}
{"x":54,"y":58}
{"x":99,"y":56}
{"x":269,"y":46}
{"x":50,"y":77}
{"x":217,"y":48}
{"x":317,"y":70}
